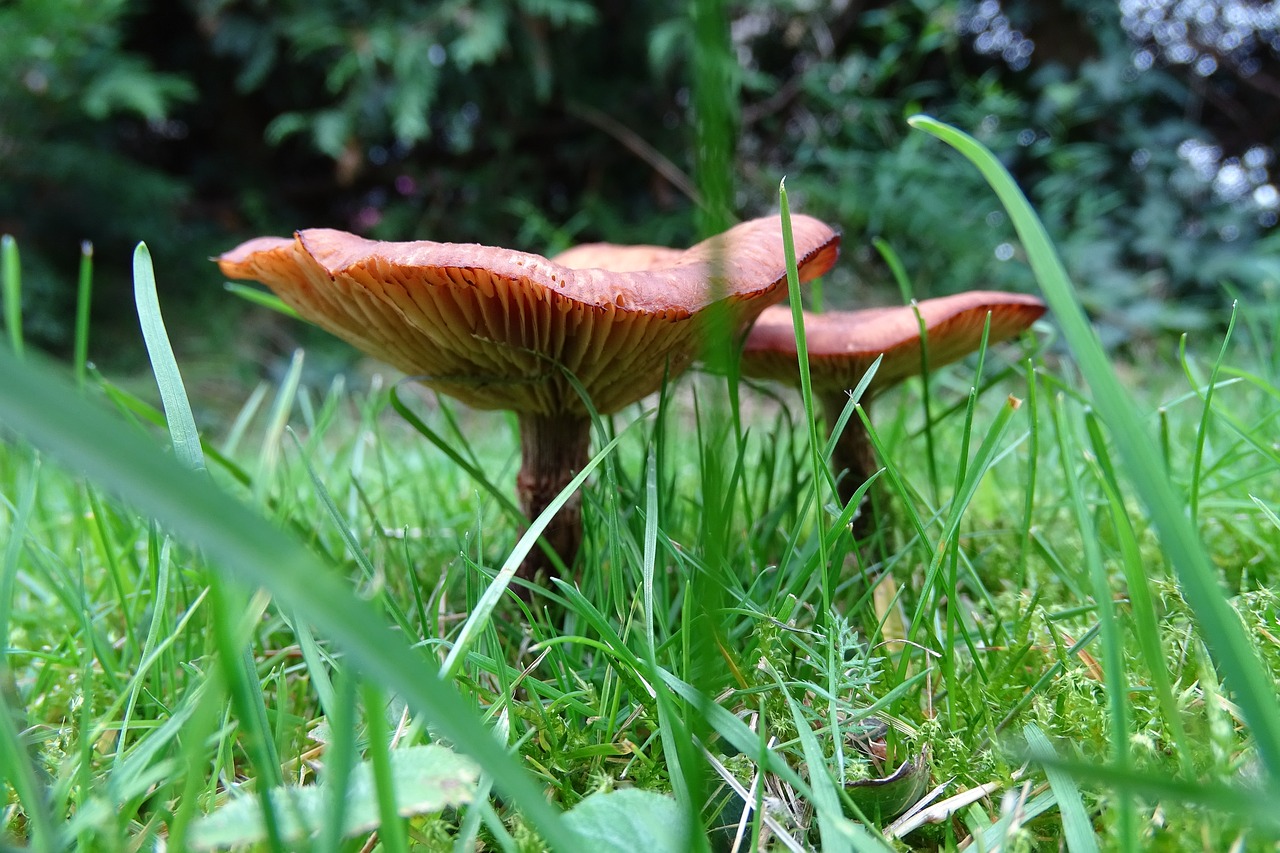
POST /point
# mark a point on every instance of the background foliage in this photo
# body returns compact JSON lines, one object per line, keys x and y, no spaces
{"x":1142,"y":131}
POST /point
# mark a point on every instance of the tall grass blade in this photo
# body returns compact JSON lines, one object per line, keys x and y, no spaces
{"x":173,"y":393}
{"x":37,"y":403}
{"x":1112,"y":641}
{"x":715,"y":93}
{"x":261,"y":297}
{"x":982,"y":461}
{"x":340,"y":757}
{"x":195,"y":717}
{"x":1267,"y":512}
{"x":736,"y":733}
{"x":18,"y":768}
{"x":446,"y":447}
{"x":1254,"y":805}
{"x":483,"y":609}
{"x":11,"y":284}
{"x":1142,"y":606}
{"x":159,"y":612}
{"x":84,"y":300}
{"x":650,"y":558}
{"x":19,"y":519}
{"x":1206,"y":412}
{"x":391,"y":832}
{"x":806,"y":383}
{"x":1033,"y":457}
{"x":269,"y":451}
{"x":714,"y":83}
{"x":1233,"y":654}
{"x":234,"y":657}
{"x":896,"y":268}
{"x":826,"y":800}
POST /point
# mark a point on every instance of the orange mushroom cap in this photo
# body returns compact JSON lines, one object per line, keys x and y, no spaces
{"x":610,"y":256}
{"x":493,"y":327}
{"x":843,"y":344}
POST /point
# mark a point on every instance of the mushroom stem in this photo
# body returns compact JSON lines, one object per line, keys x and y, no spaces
{"x":853,"y":459}
{"x":554,"y":449}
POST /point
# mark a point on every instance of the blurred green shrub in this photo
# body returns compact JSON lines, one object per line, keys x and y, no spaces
{"x":536,"y":123}
{"x":68,"y":169}
{"x":460,"y":120}
{"x":1130,"y":187}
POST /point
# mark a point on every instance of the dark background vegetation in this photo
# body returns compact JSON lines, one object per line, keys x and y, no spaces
{"x":1143,"y":131}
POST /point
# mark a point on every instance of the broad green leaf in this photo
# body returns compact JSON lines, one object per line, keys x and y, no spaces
{"x":628,"y":820}
{"x":426,"y":778}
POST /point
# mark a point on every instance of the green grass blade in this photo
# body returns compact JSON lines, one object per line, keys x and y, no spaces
{"x":1267,"y":512}
{"x":38,"y":403}
{"x":650,"y":558}
{"x":261,"y":297}
{"x":159,"y":611}
{"x":1142,"y":606}
{"x":11,"y":273}
{"x":197,"y":717}
{"x":826,"y":800}
{"x":235,"y":662}
{"x":1112,"y":641}
{"x":1206,"y":413}
{"x":391,"y":832}
{"x":173,"y":393}
{"x":1033,"y":459}
{"x":234,"y":655}
{"x":734,"y":731}
{"x":982,"y":461}
{"x":715,"y":100}
{"x":446,"y":447}
{"x":479,"y":618}
{"x":18,"y":768}
{"x":896,"y":268}
{"x":340,"y":757}
{"x":17,"y":535}
{"x":348,"y":536}
{"x":84,"y":300}
{"x":269,"y":452}
{"x":714,"y":81}
{"x":1234,"y":655}
{"x":1247,"y":802}
{"x":816,"y":444}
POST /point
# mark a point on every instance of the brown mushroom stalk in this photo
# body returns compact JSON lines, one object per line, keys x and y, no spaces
{"x":852,"y":453}
{"x":501,"y":329}
{"x":842,"y":345}
{"x":553,"y":449}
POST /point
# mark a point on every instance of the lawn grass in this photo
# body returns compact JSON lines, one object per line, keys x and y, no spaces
{"x":1063,"y":630}
{"x":1014,"y":632}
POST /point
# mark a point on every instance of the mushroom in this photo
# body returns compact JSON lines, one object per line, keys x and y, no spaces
{"x":842,"y":345}
{"x":610,"y":256}
{"x":501,"y":329}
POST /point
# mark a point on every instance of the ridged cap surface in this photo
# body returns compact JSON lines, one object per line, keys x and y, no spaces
{"x":493,"y":327}
{"x":843,"y":344}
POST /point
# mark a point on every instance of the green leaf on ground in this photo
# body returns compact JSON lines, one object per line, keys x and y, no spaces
{"x":627,"y":820}
{"x":427,"y":779}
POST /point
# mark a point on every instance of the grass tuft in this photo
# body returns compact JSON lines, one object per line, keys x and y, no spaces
{"x":333,"y":591}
